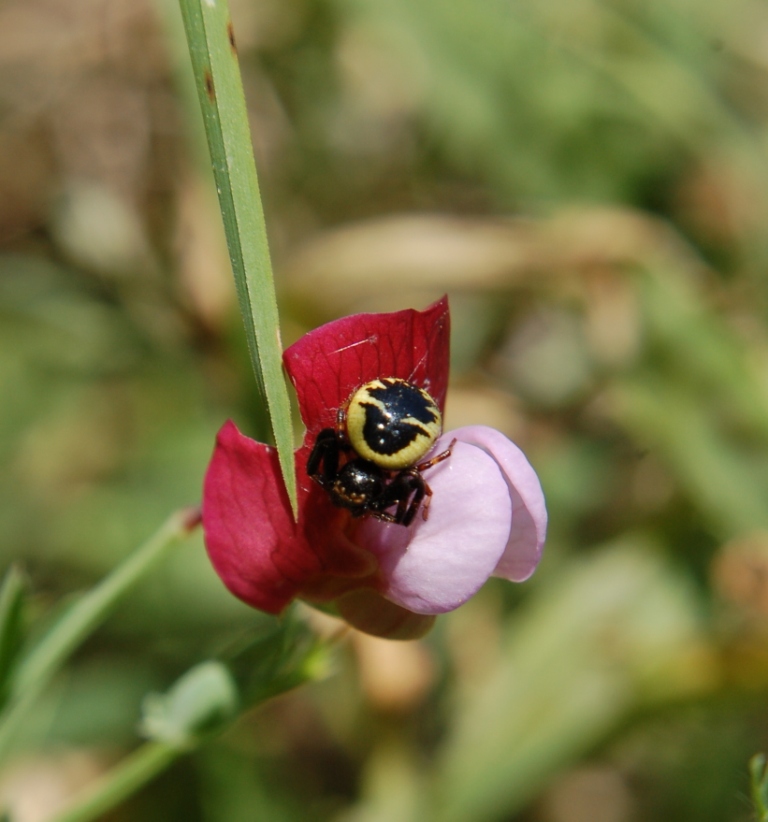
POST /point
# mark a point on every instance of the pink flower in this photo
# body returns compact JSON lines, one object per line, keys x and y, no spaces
{"x":486,"y":517}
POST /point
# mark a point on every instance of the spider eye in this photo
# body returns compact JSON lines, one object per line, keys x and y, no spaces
{"x":392,"y":423}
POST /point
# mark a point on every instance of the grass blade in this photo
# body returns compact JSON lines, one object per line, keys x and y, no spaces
{"x":211,"y":42}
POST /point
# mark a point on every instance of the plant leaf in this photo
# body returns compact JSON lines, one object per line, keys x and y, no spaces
{"x":211,"y":41}
{"x":203,"y":700}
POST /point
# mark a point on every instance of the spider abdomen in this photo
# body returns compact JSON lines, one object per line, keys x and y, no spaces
{"x":371,"y":462}
{"x":392,"y":423}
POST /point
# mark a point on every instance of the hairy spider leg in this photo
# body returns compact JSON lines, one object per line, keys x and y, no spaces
{"x":443,"y":455}
{"x":341,"y":424}
{"x":399,"y":492}
{"x":406,"y":512}
{"x":422,"y":466}
{"x":407,"y":483}
{"x":325,"y":456}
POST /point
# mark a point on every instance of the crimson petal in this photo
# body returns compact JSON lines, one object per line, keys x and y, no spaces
{"x":246,"y":514}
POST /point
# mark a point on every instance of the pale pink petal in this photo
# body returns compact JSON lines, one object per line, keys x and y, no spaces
{"x":529,"y":513}
{"x":435,"y":565}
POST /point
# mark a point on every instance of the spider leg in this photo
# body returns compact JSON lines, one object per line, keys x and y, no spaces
{"x":393,"y":494}
{"x":341,"y":424}
{"x":443,"y":455}
{"x":422,"y":491}
{"x":425,"y":498}
{"x":427,"y":501}
{"x":410,"y":492}
{"x":323,"y":462}
{"x":406,"y":490}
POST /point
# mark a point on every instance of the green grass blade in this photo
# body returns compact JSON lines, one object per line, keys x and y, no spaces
{"x":211,"y":41}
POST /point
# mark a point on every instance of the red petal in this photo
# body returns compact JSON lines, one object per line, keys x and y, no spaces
{"x":328,"y":364}
{"x":246,"y":517}
{"x":261,"y":555}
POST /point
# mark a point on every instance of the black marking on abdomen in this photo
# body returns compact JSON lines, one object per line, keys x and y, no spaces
{"x":385,"y":436}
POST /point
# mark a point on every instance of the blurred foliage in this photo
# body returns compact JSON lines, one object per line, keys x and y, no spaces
{"x":587,"y":180}
{"x":759,"y":786}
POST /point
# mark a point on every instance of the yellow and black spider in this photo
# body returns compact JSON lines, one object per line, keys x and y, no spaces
{"x":369,"y":462}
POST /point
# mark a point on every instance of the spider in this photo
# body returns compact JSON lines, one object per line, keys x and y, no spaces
{"x":387,"y":426}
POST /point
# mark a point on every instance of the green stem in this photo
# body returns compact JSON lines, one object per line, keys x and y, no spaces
{"x":131,"y":774}
{"x":36,"y":671}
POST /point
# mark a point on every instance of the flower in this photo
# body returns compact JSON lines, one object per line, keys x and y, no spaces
{"x":486,"y":518}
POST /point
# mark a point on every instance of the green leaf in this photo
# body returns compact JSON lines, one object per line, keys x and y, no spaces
{"x":12,"y":596}
{"x":203,"y":700}
{"x":208,"y":696}
{"x":211,"y":41}
{"x":278,"y":660}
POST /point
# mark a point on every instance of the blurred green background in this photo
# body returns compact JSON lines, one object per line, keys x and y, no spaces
{"x":588,"y":180}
